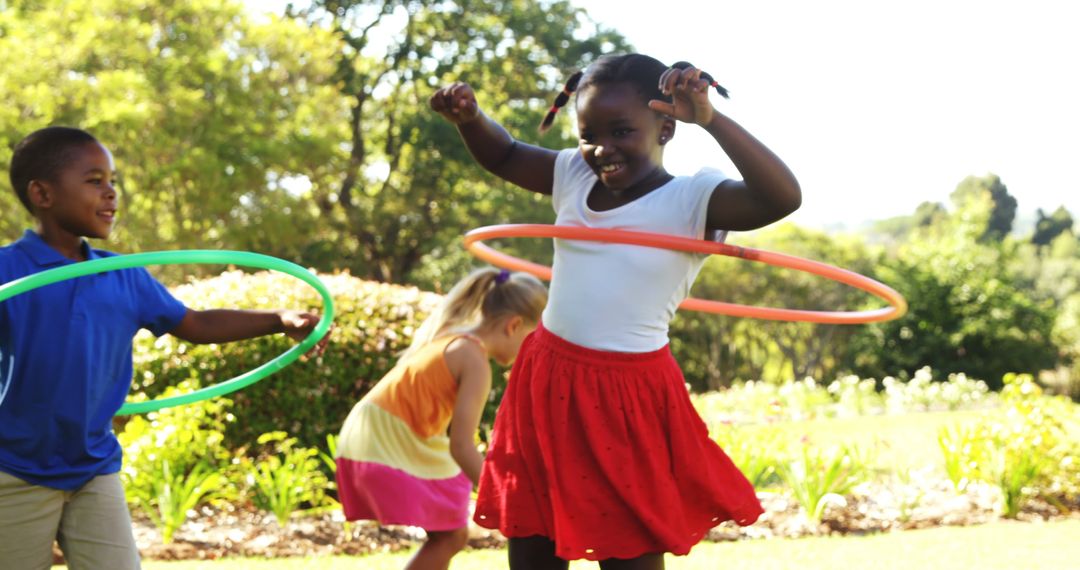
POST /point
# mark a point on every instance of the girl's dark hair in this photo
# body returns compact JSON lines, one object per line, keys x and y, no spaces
{"x":641,"y":71}
{"x":41,"y":156}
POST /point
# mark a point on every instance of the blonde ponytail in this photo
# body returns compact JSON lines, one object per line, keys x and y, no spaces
{"x":483,"y":295}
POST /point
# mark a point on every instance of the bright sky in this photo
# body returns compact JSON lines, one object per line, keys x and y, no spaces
{"x":879,"y":106}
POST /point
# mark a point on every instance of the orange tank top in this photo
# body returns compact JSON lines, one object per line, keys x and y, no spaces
{"x":421,"y":391}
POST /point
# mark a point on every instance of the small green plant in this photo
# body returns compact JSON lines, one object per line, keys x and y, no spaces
{"x":286,"y":477}
{"x":330,"y":456}
{"x":174,"y":493}
{"x":909,"y":494}
{"x":818,"y":476}
{"x":173,"y":459}
{"x":964,"y":449}
{"x":1016,"y":471}
{"x":755,"y":451}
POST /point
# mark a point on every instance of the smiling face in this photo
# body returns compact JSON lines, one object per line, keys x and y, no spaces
{"x":81,"y":199}
{"x":621,"y":137}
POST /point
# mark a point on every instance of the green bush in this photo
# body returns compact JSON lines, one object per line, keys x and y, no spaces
{"x":847,"y":396}
{"x":308,"y":399}
{"x":1028,"y":448}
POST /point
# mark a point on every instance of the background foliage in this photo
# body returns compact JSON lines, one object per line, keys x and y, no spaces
{"x":305,"y":135}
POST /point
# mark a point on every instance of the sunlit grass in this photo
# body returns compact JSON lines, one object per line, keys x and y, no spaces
{"x":998,"y":546}
{"x":899,"y":442}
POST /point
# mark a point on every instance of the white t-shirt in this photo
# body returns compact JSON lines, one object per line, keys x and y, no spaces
{"x":618,"y":297}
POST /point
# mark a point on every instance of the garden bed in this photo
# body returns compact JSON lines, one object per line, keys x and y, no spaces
{"x":921,"y":503}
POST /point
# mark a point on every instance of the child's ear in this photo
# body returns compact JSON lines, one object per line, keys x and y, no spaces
{"x":667,"y":130}
{"x":40,"y":194}
{"x":513,"y":324}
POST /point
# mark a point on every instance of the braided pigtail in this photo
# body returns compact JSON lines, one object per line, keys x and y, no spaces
{"x":560,"y":100}
{"x":712,"y":82}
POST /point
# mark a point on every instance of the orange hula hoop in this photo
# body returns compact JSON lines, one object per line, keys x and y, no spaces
{"x":897,"y":305}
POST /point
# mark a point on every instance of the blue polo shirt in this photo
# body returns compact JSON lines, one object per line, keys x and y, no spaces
{"x":65,"y":363}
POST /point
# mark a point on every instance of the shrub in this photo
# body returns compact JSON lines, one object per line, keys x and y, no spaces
{"x":923,"y":393}
{"x":756,"y":402}
{"x":1027,"y":449}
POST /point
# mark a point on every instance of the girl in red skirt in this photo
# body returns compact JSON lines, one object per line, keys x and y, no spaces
{"x":597,"y":452}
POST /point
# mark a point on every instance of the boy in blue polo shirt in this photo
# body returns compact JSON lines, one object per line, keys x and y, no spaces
{"x":65,"y":359}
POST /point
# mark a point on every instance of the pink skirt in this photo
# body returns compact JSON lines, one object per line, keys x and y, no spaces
{"x":370,"y":491}
{"x":604,"y":454}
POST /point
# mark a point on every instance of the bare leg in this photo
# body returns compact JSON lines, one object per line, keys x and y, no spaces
{"x":438,"y":549}
{"x":535,"y":553}
{"x":646,"y":562}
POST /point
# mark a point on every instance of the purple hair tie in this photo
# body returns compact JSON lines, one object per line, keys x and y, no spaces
{"x":502,"y":277}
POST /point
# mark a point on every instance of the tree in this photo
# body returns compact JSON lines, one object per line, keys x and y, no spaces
{"x":1047,"y":228}
{"x":973,"y":191}
{"x":929,"y":213}
{"x":408,"y":187}
{"x":209,"y":115}
{"x":969,"y":310}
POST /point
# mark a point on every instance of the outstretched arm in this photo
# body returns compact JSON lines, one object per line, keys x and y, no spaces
{"x":525,"y":165}
{"x":768,"y":190}
{"x":228,"y":325}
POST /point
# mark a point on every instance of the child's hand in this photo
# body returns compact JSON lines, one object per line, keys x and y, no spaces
{"x":457,"y":103}
{"x":689,"y":94}
{"x":298,"y":325}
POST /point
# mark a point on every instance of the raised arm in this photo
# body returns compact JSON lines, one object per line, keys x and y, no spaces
{"x":768,"y":190}
{"x":528,"y":166}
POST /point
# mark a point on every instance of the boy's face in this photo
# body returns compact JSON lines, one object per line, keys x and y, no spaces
{"x":81,"y":200}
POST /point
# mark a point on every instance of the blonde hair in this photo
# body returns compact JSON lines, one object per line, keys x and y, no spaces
{"x":485,"y":295}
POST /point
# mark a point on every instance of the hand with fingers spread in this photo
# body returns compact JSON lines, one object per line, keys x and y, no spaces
{"x":456,"y":103}
{"x":689,"y":93}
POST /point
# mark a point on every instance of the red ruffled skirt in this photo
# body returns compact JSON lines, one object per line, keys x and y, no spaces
{"x":604,"y":454}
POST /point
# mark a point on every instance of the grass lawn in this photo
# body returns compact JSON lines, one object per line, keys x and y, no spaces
{"x":901,"y":442}
{"x":998,"y":546}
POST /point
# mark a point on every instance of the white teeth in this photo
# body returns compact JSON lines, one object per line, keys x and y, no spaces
{"x":608,"y":168}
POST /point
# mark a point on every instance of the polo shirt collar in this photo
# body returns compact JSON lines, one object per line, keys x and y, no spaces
{"x":44,"y":255}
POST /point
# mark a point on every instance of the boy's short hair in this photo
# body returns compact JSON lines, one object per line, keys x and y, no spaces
{"x":41,"y":155}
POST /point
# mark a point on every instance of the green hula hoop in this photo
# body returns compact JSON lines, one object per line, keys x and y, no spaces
{"x":243,"y":258}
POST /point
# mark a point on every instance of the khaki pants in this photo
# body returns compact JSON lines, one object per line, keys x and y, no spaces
{"x":92,"y":525}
